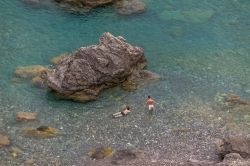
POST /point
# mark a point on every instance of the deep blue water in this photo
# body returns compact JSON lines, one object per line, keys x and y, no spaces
{"x":199,"y":48}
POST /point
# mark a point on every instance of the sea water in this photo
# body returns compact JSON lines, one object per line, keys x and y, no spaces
{"x":199,"y":48}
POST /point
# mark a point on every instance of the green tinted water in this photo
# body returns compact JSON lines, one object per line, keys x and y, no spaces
{"x":198,"y":47}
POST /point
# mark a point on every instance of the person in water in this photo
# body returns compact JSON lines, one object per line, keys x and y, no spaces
{"x":151,"y":104}
{"x":124,"y":112}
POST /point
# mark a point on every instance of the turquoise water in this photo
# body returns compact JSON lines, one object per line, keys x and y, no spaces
{"x":199,"y":48}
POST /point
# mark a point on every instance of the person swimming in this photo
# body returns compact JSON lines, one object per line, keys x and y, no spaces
{"x":124,"y":112}
{"x":151,"y":104}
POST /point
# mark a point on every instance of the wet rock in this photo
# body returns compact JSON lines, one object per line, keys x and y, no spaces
{"x":59,"y":59}
{"x":85,"y":73}
{"x":128,"y":7}
{"x":4,"y":140}
{"x":233,"y":144}
{"x":192,"y":15}
{"x":41,"y":132}
{"x":101,"y":153}
{"x":31,"y":2}
{"x":26,"y":116}
{"x":30,"y":71}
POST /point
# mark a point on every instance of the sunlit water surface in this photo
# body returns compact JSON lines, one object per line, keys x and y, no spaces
{"x":200,"y":49}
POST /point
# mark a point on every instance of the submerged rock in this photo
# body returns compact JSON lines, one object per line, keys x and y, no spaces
{"x":128,"y":7}
{"x":39,"y":82}
{"x":15,"y":152}
{"x":41,"y":132}
{"x":85,"y":73}
{"x":192,"y":15}
{"x":4,"y":140}
{"x":30,"y":71}
{"x":25,"y":116}
{"x":123,"y":155}
{"x":58,"y":59}
{"x":101,"y":153}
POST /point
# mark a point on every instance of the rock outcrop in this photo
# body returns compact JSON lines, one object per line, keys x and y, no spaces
{"x":86,"y":72}
{"x":234,"y":144}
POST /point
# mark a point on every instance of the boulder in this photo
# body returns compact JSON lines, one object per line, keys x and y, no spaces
{"x":233,"y":144}
{"x":25,"y":116}
{"x":4,"y":140}
{"x":128,"y":7}
{"x":91,"y":69}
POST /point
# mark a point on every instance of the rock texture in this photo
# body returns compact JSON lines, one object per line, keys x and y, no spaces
{"x":85,"y":73}
{"x":234,"y":144}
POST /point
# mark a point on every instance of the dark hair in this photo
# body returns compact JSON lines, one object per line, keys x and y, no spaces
{"x":149,"y":97}
{"x":128,"y":108}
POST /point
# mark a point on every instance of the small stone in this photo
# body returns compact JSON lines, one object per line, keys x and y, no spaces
{"x":26,"y":116}
{"x":4,"y":141}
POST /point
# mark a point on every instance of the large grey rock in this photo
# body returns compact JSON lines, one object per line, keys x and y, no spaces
{"x":86,"y":72}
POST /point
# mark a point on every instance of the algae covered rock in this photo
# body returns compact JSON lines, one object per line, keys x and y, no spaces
{"x":58,"y":59}
{"x":128,"y":7}
{"x":30,"y":71}
{"x":101,"y":153}
{"x":192,"y":15}
{"x":91,"y":69}
{"x":129,"y":86}
{"x":26,"y":116}
{"x":4,"y":140}
{"x":39,"y":82}
{"x":41,"y":132}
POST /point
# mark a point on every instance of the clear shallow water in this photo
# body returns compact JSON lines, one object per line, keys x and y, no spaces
{"x":199,"y":49}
